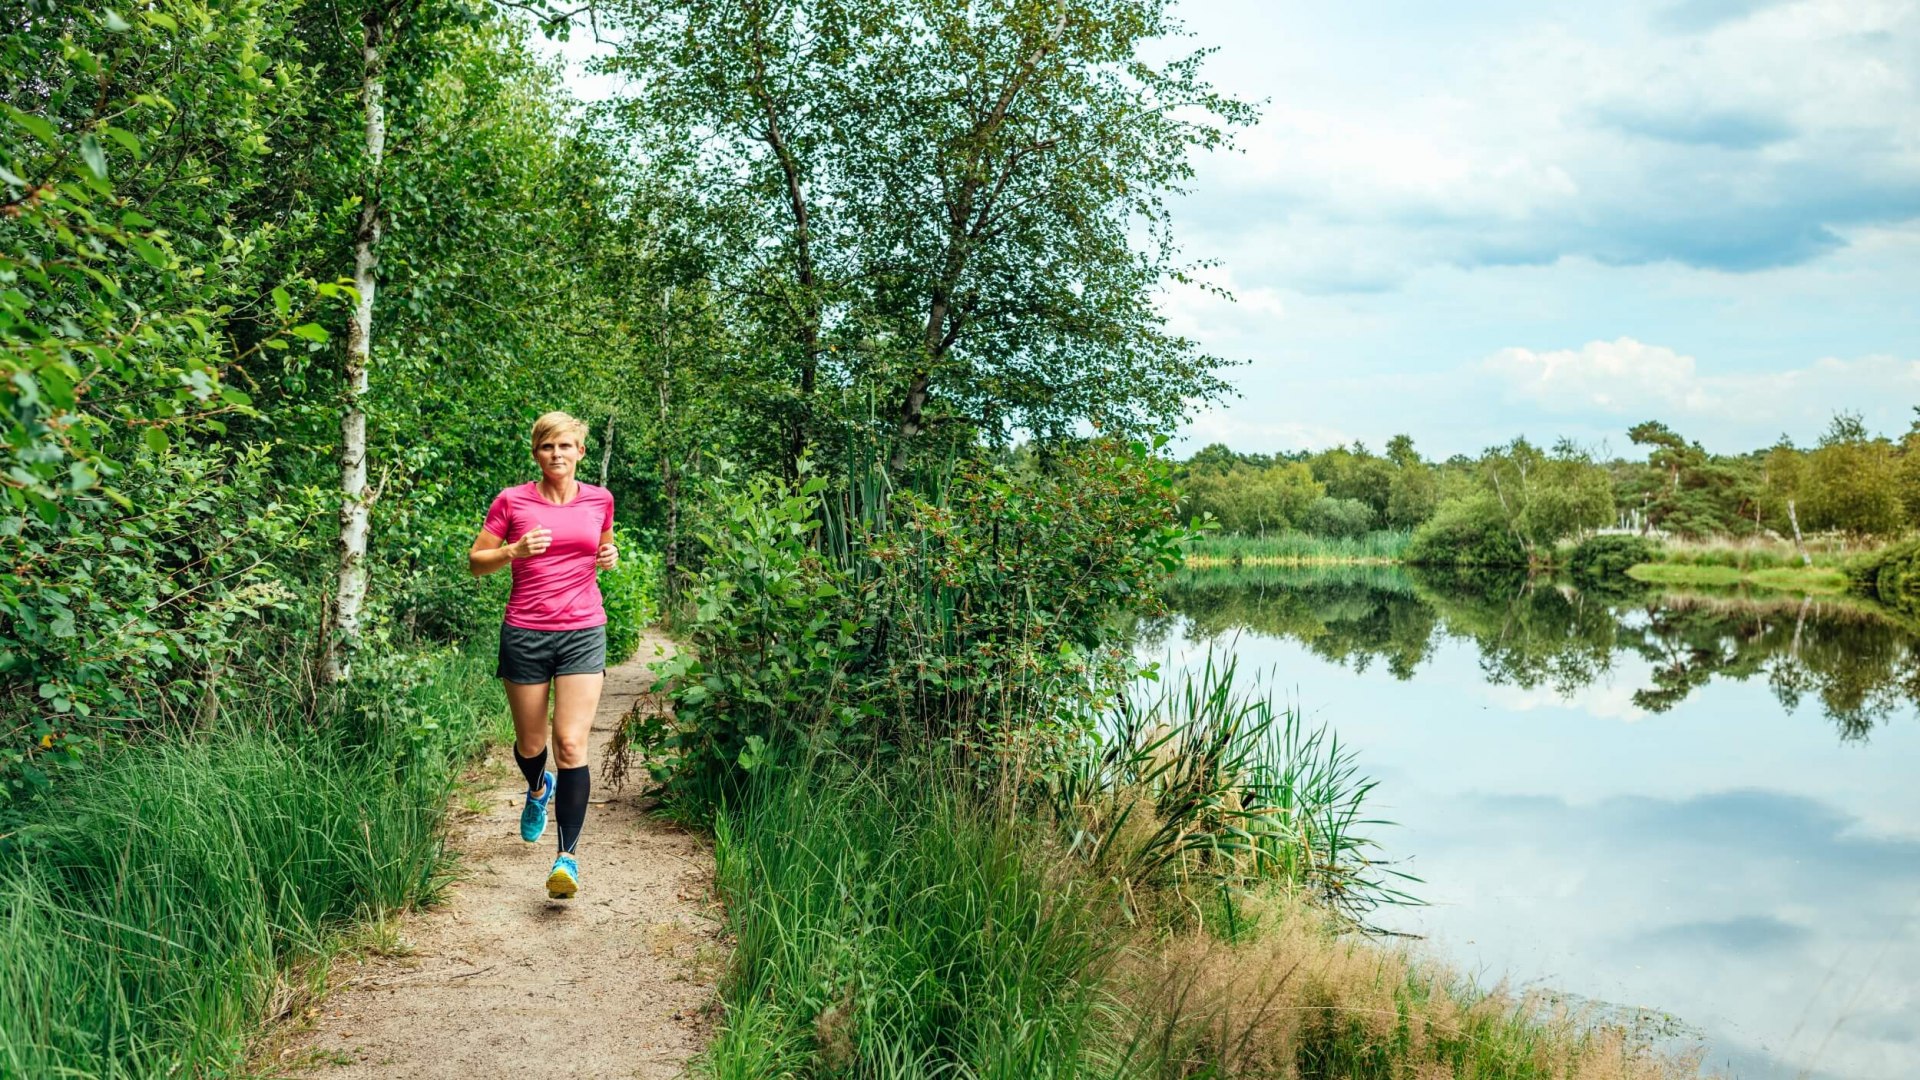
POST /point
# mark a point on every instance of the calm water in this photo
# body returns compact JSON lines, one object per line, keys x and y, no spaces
{"x":1703,"y":805}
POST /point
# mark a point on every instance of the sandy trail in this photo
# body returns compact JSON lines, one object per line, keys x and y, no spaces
{"x":502,"y":982}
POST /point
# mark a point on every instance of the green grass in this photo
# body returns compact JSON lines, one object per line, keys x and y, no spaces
{"x":1199,"y":788}
{"x":889,"y":927}
{"x":1296,"y":548}
{"x":1813,"y":579}
{"x":1164,"y":912}
{"x":1760,"y":553}
{"x":151,"y":905}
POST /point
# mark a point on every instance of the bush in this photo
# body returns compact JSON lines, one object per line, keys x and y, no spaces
{"x":112,"y":619}
{"x":1338,"y":518}
{"x":1890,"y":575}
{"x":1600,"y":557}
{"x":1466,"y":532}
{"x":631,"y":592}
{"x":978,"y":618}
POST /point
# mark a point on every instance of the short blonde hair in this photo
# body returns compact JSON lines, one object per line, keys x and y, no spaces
{"x":558,"y":423}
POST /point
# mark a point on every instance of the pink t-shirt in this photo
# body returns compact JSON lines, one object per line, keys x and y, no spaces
{"x":557,"y":589}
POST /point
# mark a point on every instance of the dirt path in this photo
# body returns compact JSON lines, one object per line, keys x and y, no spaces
{"x":502,"y":982}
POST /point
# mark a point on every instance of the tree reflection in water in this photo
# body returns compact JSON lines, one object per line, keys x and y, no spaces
{"x":1860,"y":662}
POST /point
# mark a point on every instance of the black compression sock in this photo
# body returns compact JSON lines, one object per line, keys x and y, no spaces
{"x":570,"y":805}
{"x":531,"y":767}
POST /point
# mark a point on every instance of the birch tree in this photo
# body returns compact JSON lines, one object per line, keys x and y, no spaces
{"x":955,"y":213}
{"x":351,"y":590}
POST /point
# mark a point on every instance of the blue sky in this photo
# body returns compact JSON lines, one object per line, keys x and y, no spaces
{"x":1475,"y":220}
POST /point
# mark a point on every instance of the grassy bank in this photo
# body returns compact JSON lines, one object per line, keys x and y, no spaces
{"x":1296,"y":549}
{"x":1806,"y":579}
{"x":153,"y":905}
{"x":1171,"y":911}
{"x":1754,"y":561}
{"x":1761,"y":563}
{"x":1760,"y":553}
{"x":889,"y":926}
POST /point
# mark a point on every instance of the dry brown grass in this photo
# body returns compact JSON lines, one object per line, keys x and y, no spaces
{"x":1301,"y":999}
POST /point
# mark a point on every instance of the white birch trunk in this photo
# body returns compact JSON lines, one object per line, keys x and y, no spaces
{"x":344,"y":634}
{"x":1794,"y":517}
{"x":606,"y":448}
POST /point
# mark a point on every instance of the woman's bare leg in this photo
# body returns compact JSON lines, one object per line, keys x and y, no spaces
{"x":575,"y":699}
{"x":528,"y":703}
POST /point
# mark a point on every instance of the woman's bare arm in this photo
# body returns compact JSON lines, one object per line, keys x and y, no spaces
{"x":491,"y":553}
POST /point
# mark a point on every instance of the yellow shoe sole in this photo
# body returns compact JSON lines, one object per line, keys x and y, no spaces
{"x":561,"y":885}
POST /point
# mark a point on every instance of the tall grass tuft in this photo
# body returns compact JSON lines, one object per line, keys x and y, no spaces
{"x":1202,"y":785}
{"x":1296,"y":548}
{"x":888,"y":927}
{"x":1827,"y":550}
{"x":151,"y":905}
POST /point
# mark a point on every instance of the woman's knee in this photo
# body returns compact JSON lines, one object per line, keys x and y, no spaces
{"x":570,"y":749}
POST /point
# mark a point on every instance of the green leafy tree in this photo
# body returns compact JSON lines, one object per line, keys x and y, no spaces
{"x":1339,"y":517}
{"x":1853,"y":481}
{"x":1253,"y":500}
{"x":1910,"y":471}
{"x":1685,"y":490}
{"x":1414,"y":491}
{"x":938,"y":212}
{"x":1355,"y":473}
{"x":1214,"y":457}
{"x":1782,"y":482}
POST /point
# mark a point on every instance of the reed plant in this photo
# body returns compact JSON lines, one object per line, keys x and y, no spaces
{"x":1200,"y":786}
{"x":151,"y":905}
{"x":1749,"y":553}
{"x":1296,"y":548}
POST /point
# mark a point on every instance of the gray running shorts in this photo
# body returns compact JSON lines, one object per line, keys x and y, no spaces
{"x":536,"y":656}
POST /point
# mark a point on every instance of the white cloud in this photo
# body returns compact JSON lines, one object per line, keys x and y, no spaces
{"x":1247,"y":429}
{"x":1609,"y":701}
{"x":1612,"y":376}
{"x":1198,"y":310}
{"x":1628,"y":379}
{"x":1740,"y":144}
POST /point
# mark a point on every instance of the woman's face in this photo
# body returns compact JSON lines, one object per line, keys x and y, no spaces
{"x":557,"y":455}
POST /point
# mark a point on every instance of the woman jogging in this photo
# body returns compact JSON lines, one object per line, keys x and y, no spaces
{"x":557,"y":534}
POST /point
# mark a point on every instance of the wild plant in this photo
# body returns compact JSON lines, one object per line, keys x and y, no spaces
{"x":977,"y":616}
{"x":1201,"y":787}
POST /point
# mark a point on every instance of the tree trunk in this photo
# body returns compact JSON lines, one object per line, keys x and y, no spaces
{"x":911,"y":411}
{"x":344,"y":634}
{"x":969,"y":215}
{"x":670,"y":559}
{"x":791,"y":175}
{"x":606,"y":449}
{"x":669,"y":476}
{"x":1794,"y":517}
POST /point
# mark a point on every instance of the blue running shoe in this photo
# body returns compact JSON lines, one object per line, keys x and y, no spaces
{"x":533,"y":815}
{"x":564,"y":880}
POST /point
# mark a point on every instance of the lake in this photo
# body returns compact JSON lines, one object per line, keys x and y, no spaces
{"x":1701,"y":805}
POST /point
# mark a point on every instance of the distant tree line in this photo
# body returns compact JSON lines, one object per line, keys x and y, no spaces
{"x":1512,"y":502}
